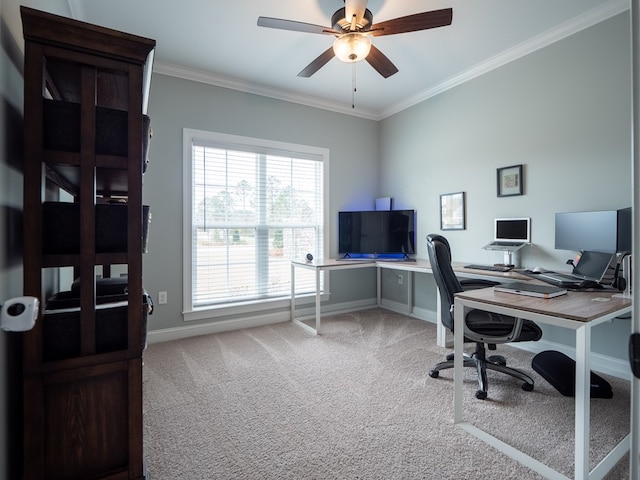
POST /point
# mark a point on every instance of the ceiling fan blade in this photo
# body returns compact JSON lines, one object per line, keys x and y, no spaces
{"x":355,"y":7}
{"x":380,"y":62}
{"x":294,"y":26}
{"x":413,"y":23}
{"x":318,"y":63}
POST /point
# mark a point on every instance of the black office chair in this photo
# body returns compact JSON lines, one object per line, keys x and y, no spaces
{"x":481,"y":327}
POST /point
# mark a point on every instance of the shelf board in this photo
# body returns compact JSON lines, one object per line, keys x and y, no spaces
{"x":73,"y":260}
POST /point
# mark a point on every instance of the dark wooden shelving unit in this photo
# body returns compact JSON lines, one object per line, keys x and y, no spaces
{"x":82,"y":412}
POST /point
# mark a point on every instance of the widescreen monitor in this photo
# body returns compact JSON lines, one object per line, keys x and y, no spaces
{"x":377,"y":232}
{"x":599,"y":231}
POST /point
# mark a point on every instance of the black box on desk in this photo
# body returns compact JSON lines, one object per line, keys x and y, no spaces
{"x":61,"y":227}
{"x":560,"y":371}
{"x":61,"y":325}
{"x":111,"y":286}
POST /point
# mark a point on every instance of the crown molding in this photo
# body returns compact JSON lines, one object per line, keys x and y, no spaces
{"x":545,"y":39}
{"x":209,"y":78}
{"x":575,"y":25}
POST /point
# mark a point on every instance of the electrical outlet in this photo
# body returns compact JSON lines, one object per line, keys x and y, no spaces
{"x":400,"y":279}
{"x":162,"y":298}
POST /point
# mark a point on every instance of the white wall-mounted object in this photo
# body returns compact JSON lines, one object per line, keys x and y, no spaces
{"x":19,"y":314}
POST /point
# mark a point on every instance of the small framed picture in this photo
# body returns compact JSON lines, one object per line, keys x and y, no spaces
{"x":452,"y":215}
{"x":510,"y":181}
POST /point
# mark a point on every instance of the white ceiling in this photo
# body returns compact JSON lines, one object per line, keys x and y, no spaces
{"x":219,"y":42}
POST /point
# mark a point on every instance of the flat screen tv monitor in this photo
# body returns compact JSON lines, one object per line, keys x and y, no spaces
{"x":599,"y":231}
{"x":512,"y":230}
{"x":377,"y":232}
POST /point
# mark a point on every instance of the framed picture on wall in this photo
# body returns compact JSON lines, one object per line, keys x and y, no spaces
{"x":452,"y":215}
{"x":510,"y":181}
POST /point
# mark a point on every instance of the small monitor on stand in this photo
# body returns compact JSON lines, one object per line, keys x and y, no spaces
{"x":510,"y":235}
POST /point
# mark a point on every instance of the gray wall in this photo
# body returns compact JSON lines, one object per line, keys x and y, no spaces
{"x":176,"y":104}
{"x":564,"y":112}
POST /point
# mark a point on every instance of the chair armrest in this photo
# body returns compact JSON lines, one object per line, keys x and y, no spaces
{"x":476,"y":283}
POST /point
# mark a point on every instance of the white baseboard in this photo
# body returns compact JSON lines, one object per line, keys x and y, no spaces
{"x":605,"y":364}
{"x":253,"y":320}
{"x":177,"y":333}
{"x":419,"y":313}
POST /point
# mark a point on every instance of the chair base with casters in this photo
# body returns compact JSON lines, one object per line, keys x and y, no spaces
{"x":482,"y":363}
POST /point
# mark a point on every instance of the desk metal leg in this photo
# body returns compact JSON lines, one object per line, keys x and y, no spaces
{"x":634,"y":461}
{"x":441,"y":331}
{"x":318,"y":313}
{"x":583,"y":413}
{"x":379,"y":286}
{"x":458,"y":350}
{"x":293,"y":293}
{"x":295,"y":320}
{"x":583,"y":401}
{"x":409,"y":292}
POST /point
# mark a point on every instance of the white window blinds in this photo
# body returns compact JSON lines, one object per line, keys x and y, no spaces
{"x":254,"y":208}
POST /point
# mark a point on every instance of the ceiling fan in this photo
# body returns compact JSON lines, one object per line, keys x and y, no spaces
{"x":353,"y":26}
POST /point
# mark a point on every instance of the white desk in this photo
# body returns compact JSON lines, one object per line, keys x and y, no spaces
{"x":318,"y":266}
{"x":423,"y":266}
{"x":578,"y":311}
{"x":418,"y":266}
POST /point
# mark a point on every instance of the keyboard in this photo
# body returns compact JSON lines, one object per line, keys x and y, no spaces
{"x":491,"y":268}
{"x":506,"y":244}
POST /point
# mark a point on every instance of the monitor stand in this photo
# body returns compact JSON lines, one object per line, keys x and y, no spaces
{"x":507,"y":259}
{"x":626,"y":270}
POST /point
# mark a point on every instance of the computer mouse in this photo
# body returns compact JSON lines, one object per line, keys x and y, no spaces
{"x":539,"y":270}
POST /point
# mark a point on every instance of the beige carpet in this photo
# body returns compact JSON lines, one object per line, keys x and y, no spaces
{"x":354,"y":403}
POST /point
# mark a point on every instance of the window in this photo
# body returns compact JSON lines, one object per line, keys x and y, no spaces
{"x":251,"y":206}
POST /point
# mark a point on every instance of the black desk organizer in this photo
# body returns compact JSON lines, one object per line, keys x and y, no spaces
{"x":61,"y":227}
{"x":61,"y":321}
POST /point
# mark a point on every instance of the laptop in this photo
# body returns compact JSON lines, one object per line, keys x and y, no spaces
{"x":532,"y":290}
{"x":592,"y":268}
{"x":510,"y":234}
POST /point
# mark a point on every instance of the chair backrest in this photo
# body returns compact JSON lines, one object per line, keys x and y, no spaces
{"x":448,"y":284}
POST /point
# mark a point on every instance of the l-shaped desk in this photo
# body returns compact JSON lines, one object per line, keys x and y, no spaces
{"x":412,"y":267}
{"x":578,"y":311}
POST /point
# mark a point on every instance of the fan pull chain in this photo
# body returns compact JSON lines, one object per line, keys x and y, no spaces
{"x":353,"y":84}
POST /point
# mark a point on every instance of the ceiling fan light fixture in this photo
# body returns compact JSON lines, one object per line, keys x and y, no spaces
{"x":352,"y":47}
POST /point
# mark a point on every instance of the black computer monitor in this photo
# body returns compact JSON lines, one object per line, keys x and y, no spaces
{"x":624,"y":243}
{"x":598,"y":231}
{"x":377,"y":232}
